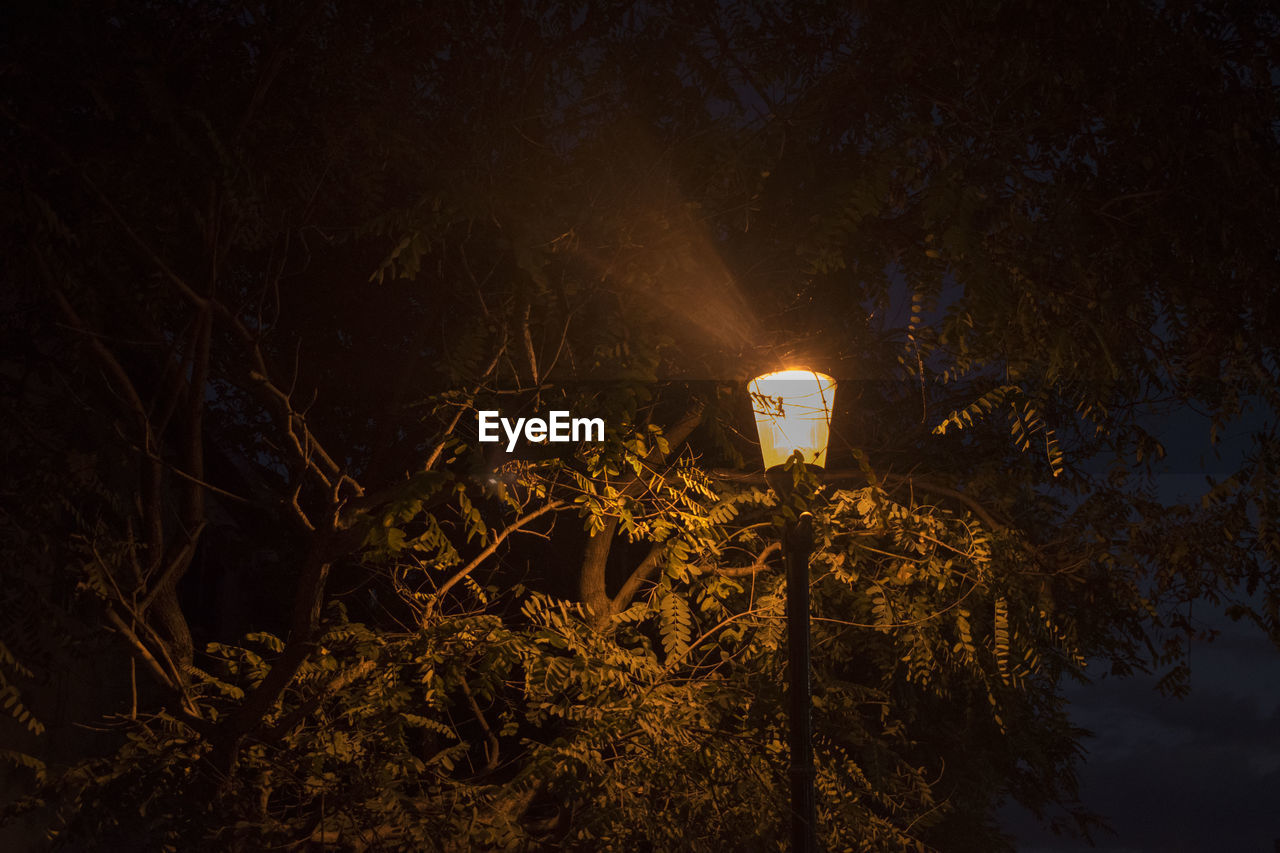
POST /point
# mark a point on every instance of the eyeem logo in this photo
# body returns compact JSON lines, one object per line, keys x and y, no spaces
{"x":558,"y":427}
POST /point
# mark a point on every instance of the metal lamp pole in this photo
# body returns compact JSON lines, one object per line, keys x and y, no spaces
{"x":793,"y":416}
{"x":797,"y":546}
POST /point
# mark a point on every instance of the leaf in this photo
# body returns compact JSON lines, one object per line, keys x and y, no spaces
{"x":675,"y":624}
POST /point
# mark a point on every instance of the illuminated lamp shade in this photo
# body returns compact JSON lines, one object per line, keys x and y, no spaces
{"x":793,"y":412}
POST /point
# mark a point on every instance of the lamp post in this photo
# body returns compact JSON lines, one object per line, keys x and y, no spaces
{"x":793,"y":417}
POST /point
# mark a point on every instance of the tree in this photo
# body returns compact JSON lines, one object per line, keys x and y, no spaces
{"x":270,"y":264}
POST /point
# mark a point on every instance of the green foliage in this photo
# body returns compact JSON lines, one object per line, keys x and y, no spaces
{"x":447,"y":733}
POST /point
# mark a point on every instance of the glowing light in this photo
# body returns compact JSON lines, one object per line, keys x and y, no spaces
{"x":793,"y":412}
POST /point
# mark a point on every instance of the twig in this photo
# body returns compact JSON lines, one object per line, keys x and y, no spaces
{"x":760,"y":564}
{"x":139,"y":648}
{"x":493,"y":546}
{"x":174,"y":565}
{"x":641,"y":574}
{"x":491,"y":744}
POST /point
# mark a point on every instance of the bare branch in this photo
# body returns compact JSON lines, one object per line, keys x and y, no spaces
{"x":139,"y":649}
{"x":304,"y":446}
{"x":174,"y":565}
{"x":648,"y":566}
{"x":491,"y":739}
{"x":528,"y":344}
{"x":761,"y":563}
{"x":444,"y":440}
{"x":493,"y":546}
{"x":193,"y":509}
{"x":171,"y":681}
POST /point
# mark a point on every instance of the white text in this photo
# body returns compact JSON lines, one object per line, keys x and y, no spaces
{"x":558,"y":427}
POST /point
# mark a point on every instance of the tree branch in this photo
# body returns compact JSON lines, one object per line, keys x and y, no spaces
{"x":648,"y":566}
{"x":139,"y":648}
{"x":491,"y":739}
{"x":493,"y":546}
{"x":592,"y":590}
{"x":307,"y":603}
{"x":760,"y":563}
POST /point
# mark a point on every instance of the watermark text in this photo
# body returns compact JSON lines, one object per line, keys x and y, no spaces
{"x":557,"y":427}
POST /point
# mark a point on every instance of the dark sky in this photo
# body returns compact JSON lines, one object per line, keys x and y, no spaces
{"x":1201,"y":773}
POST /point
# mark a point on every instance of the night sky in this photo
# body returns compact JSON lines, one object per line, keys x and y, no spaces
{"x":1199,"y":773}
{"x":1189,"y":774}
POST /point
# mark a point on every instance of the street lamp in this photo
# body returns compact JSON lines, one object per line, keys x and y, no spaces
{"x":793,"y":419}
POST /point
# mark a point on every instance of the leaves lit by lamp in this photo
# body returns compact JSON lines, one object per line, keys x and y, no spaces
{"x":793,"y":412}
